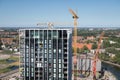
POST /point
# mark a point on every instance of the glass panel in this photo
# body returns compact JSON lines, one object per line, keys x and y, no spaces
{"x":49,"y":34}
{"x":31,"y":33}
{"x":45,"y":34}
{"x":55,"y":34}
{"x":40,"y":34}
{"x":64,"y":34}
{"x":60,"y":33}
{"x":36,"y":34}
{"x":27,"y":33}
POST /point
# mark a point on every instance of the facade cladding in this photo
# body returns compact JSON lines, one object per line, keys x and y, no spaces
{"x":46,"y":54}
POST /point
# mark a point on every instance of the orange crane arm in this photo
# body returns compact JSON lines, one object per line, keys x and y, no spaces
{"x":99,"y":44}
{"x":96,"y":55}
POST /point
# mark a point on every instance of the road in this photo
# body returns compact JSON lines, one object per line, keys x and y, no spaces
{"x":111,"y":63}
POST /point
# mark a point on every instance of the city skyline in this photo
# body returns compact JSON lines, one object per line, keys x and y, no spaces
{"x":29,"y":13}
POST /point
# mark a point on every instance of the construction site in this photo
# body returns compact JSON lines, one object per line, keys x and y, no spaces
{"x":60,"y":40}
{"x":85,"y":66}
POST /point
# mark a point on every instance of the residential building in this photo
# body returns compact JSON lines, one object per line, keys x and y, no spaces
{"x":90,"y":38}
{"x":81,"y":45}
{"x":7,"y":40}
{"x":45,"y":54}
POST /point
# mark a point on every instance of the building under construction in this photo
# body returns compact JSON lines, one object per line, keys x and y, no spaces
{"x":46,"y":54}
{"x":84,"y":67}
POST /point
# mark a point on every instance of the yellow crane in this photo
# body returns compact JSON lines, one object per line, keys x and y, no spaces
{"x":75,"y":17}
{"x":49,"y":24}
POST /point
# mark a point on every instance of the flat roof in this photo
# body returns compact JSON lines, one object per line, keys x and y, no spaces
{"x":46,"y":28}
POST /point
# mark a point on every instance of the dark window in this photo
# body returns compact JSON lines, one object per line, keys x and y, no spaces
{"x":36,"y":33}
{"x":55,"y":34}
{"x":45,"y":34}
{"x":27,"y":33}
{"x":64,"y":34}
{"x":49,"y":34}
{"x":31,"y":33}
{"x":60,"y":33}
{"x":41,"y":34}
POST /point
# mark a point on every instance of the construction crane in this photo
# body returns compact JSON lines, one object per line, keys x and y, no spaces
{"x":96,"y":56}
{"x":49,"y":24}
{"x":75,"y":17}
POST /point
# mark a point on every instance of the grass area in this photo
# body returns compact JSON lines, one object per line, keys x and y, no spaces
{"x":8,"y":62}
{"x":14,"y":58}
{"x":7,"y":52}
{"x":7,"y":69}
{"x":5,"y":61}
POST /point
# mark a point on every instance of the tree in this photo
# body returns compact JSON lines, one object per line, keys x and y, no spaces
{"x":106,"y":44}
{"x":78,"y":50}
{"x":85,"y":49}
{"x":94,"y":46}
{"x":1,"y":44}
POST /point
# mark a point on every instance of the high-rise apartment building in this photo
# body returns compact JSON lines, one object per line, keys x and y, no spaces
{"x":46,"y":54}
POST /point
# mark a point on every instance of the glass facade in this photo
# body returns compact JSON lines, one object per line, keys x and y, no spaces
{"x":46,"y":54}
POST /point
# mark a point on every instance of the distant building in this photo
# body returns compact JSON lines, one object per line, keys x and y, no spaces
{"x":81,"y":45}
{"x":84,"y":63}
{"x":112,"y":42}
{"x":111,"y":55}
{"x":118,"y":35}
{"x":3,"y":46}
{"x":90,"y":38}
{"x":46,"y":54}
{"x":79,"y":38}
{"x":117,"y":49}
{"x":7,"y":40}
{"x":8,"y":33}
{"x":100,"y":51}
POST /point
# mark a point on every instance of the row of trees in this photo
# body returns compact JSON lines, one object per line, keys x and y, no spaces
{"x":111,"y":49}
{"x":82,"y":50}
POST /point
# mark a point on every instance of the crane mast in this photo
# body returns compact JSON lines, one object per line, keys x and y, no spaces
{"x":96,"y":56}
{"x":75,"y":17}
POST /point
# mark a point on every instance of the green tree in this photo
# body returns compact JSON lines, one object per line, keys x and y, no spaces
{"x":106,"y":44}
{"x":94,"y":46}
{"x":0,"y":45}
{"x":85,"y":49}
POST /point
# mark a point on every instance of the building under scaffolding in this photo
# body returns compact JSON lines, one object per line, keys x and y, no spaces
{"x":84,"y":65}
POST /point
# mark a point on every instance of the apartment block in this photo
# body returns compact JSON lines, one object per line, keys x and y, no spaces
{"x":45,"y":54}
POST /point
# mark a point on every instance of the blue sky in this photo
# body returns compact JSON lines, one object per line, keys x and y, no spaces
{"x":30,"y":12}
